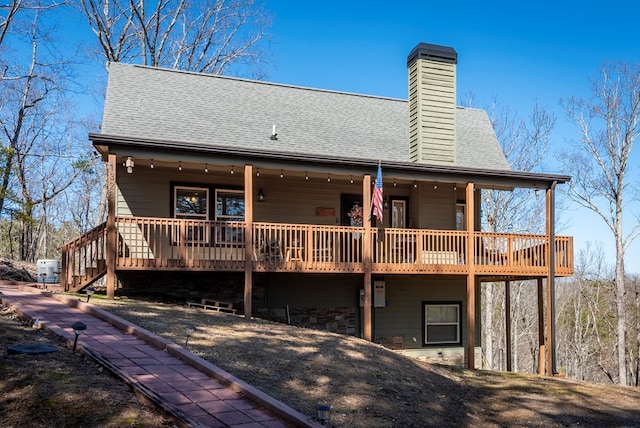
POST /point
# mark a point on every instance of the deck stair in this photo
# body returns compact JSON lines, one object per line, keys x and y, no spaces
{"x":84,"y":259}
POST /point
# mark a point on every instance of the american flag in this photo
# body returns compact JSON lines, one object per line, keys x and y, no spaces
{"x":377,"y":195}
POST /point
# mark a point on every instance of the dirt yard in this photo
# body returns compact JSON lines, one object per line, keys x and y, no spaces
{"x":370,"y":386}
{"x":365,"y":384}
{"x":62,"y":389}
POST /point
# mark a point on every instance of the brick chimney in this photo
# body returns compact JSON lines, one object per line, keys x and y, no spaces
{"x":432,"y":104}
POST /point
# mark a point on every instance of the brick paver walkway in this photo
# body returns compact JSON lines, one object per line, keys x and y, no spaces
{"x":191,"y":389}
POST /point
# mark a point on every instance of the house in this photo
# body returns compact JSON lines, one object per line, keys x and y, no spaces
{"x":261,"y":193}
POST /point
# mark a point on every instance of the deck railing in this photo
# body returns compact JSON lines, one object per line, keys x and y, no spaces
{"x":164,"y":243}
{"x":84,"y":259}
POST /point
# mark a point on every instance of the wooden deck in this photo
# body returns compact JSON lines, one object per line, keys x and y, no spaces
{"x":171,"y":244}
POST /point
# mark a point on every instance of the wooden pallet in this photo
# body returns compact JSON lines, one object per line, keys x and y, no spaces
{"x":215,"y":305}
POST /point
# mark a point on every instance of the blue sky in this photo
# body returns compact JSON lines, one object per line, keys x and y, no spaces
{"x":517,"y":52}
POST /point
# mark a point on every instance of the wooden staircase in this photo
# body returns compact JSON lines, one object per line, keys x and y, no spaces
{"x":84,"y":259}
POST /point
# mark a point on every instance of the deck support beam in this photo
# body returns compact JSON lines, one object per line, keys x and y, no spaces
{"x":551,"y":299}
{"x":248,"y":241}
{"x":541,"y":347}
{"x":367,"y":259}
{"x":471,"y":278}
{"x":507,"y":315}
{"x":112,"y":237}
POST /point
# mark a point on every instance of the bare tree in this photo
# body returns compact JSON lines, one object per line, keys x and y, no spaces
{"x":586,"y":332}
{"x":608,"y":126}
{"x":208,"y":36}
{"x":524,"y":142}
{"x":40,"y":149}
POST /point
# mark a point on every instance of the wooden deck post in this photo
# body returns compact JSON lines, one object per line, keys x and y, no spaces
{"x":471,"y":278}
{"x":507,"y":315}
{"x":112,"y":237}
{"x":541,"y":347}
{"x":366,"y":258}
{"x":248,"y":240}
{"x":551,"y":300}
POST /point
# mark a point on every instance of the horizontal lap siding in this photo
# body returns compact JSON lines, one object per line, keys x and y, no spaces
{"x":404,"y":295}
{"x":295,"y":200}
{"x":432,"y":110}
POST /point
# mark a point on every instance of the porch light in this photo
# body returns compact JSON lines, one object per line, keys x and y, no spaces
{"x":306,"y":176}
{"x":352,"y":179}
{"x":90,"y":291}
{"x":273,"y":136}
{"x":151,"y":164}
{"x":232,"y":171}
{"x":386,"y":202}
{"x":206,"y":167}
{"x":537,"y":192}
{"x":260,"y":195}
{"x":179,"y":166}
{"x":323,"y":412}
{"x":394,"y":183}
{"x":281,"y":174}
{"x":329,"y":178}
{"x":415,"y":184}
{"x":257,"y":172}
{"x":129,"y":164}
{"x":78,"y":327}
{"x":189,"y":330}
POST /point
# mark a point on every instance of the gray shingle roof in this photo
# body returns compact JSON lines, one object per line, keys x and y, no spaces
{"x":152,"y":103}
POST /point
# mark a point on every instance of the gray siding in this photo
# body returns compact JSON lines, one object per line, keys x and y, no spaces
{"x":403,"y":314}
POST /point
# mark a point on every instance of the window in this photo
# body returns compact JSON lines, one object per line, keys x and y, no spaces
{"x":398,"y":213}
{"x":229,"y":208}
{"x":442,"y":323}
{"x":192,"y":203}
{"x":460,"y":219}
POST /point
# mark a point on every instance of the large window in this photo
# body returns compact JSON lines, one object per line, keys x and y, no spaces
{"x":192,"y":203}
{"x":229,"y":208}
{"x":442,"y":323}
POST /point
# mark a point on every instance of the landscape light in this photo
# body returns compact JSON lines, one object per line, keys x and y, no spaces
{"x":90,"y":291}
{"x":78,"y":327}
{"x":323,"y":412}
{"x":189,"y":330}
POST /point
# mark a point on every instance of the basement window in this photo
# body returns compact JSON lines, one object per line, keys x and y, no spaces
{"x":442,"y":323}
